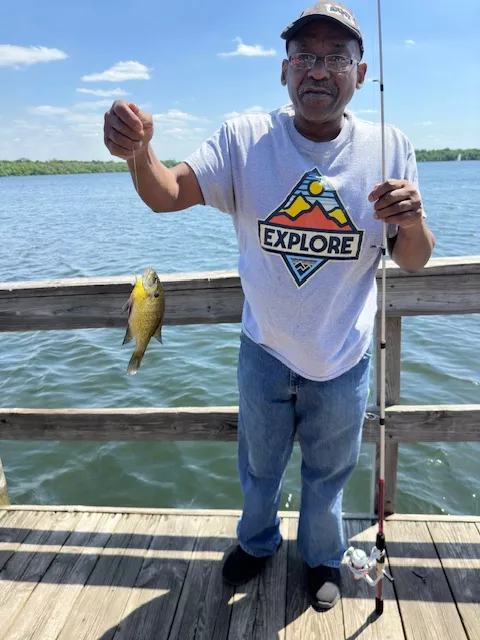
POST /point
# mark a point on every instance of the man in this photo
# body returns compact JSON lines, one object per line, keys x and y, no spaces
{"x":302,"y":186}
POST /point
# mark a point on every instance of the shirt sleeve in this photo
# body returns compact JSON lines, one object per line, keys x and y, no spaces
{"x":212,"y":166}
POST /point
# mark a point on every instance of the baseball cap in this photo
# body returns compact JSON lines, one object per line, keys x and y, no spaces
{"x":326,"y":10}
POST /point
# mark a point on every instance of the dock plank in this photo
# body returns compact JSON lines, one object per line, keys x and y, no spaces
{"x":51,"y":603}
{"x":22,"y":573}
{"x":153,"y":601}
{"x":14,"y":528}
{"x":204,"y":609}
{"x":358,"y":598}
{"x":426,"y":604}
{"x":458,"y":545}
{"x":101,"y":603}
{"x":259,"y":606}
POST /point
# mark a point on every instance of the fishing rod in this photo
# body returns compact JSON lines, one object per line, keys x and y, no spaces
{"x":359,"y":563}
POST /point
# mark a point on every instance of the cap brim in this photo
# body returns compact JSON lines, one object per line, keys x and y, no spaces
{"x":292,"y":29}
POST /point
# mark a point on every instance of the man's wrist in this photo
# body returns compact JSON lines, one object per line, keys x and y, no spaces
{"x":412,"y":230}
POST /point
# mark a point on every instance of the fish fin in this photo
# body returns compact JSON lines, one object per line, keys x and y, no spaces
{"x":128,"y":336}
{"x":158,"y":334}
{"x":128,"y":304}
{"x":134,"y":363}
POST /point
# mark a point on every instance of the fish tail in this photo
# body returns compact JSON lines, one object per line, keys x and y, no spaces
{"x":134,"y":363}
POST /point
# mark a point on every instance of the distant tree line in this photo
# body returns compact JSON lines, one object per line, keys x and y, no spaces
{"x":25,"y":167}
{"x":433,"y":155}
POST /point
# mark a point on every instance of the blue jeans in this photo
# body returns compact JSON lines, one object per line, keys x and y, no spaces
{"x":275,"y":404}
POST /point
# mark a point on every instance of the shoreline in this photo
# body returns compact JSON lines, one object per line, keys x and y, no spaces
{"x":25,"y":167}
{"x":124,"y":169}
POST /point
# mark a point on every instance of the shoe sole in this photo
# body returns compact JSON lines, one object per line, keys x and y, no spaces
{"x":324,"y":606}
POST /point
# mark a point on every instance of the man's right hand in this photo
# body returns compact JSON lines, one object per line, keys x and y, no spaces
{"x":127,"y":130}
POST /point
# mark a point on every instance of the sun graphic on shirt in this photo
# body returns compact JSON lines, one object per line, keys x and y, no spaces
{"x":315,"y":188}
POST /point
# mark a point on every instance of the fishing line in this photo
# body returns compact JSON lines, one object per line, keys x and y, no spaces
{"x":135,"y":180}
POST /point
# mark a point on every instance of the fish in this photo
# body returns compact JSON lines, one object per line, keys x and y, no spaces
{"x":146,"y":309}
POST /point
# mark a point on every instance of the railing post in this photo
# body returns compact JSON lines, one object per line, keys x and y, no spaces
{"x":3,"y":487}
{"x":392,"y":392}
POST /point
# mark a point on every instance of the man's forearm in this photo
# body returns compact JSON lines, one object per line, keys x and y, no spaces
{"x":413,"y":247}
{"x":155,"y":184}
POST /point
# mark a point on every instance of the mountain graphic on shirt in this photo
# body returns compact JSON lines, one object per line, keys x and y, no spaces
{"x":310,"y":227}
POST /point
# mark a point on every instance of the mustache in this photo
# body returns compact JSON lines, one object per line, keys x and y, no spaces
{"x":309,"y":85}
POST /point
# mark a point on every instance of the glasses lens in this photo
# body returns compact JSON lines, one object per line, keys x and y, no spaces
{"x":337,"y":64}
{"x":302,"y":60}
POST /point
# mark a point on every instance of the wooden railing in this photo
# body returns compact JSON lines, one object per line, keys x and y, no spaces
{"x":444,"y":286}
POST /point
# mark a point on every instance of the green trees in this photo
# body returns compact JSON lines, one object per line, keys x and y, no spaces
{"x":25,"y":167}
{"x":425,"y":155}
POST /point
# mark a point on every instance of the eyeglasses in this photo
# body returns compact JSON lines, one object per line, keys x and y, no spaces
{"x":333,"y":62}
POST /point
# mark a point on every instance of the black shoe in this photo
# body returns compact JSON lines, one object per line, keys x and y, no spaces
{"x":240,"y":567}
{"x":323,"y":587}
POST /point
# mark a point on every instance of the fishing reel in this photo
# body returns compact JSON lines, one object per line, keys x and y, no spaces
{"x":362,"y":566}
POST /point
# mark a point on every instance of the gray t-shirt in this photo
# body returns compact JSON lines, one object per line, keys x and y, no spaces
{"x":308,"y":242}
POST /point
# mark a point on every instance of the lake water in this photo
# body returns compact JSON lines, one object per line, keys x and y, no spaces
{"x":92,"y":225}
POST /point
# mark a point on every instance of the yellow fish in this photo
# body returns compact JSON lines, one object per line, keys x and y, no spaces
{"x":146,"y":308}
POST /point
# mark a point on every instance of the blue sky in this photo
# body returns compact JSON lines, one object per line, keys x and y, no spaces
{"x":62,"y":63}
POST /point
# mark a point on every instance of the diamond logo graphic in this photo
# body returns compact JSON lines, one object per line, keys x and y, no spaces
{"x":311,"y":227}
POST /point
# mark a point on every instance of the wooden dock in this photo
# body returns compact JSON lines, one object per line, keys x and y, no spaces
{"x":85,"y":573}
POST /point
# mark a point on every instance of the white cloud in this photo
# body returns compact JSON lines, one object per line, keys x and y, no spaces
{"x":23,"y":125}
{"x":120,"y":72}
{"x":53,"y":131}
{"x":113,"y":93}
{"x":410,"y":42}
{"x":93,"y":105}
{"x":48,"y":110}
{"x":248,"y":50}
{"x":178,"y":124}
{"x":250,"y":110}
{"x":14,"y":56}
{"x":175,"y":115}
{"x":80,"y":118}
{"x":70,"y":112}
{"x":367,"y":111}
{"x":424,"y":123}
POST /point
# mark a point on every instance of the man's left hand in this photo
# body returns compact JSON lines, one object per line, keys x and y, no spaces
{"x":397,"y":202}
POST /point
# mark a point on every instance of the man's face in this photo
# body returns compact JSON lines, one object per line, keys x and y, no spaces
{"x":319,"y":95}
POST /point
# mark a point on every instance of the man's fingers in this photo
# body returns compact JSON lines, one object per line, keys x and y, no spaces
{"x":397,"y":195}
{"x":118,"y":151}
{"x":405,"y":219}
{"x":395,"y":209}
{"x":123,"y":141}
{"x":124,"y":133}
{"x":123,"y":111}
{"x":381,"y":189}
{"x":116,"y":124}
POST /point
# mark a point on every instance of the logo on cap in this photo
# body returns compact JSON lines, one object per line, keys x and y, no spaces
{"x":333,"y":8}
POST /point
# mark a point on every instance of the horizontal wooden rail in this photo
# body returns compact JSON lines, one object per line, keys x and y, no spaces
{"x":444,"y":286}
{"x":423,"y":423}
